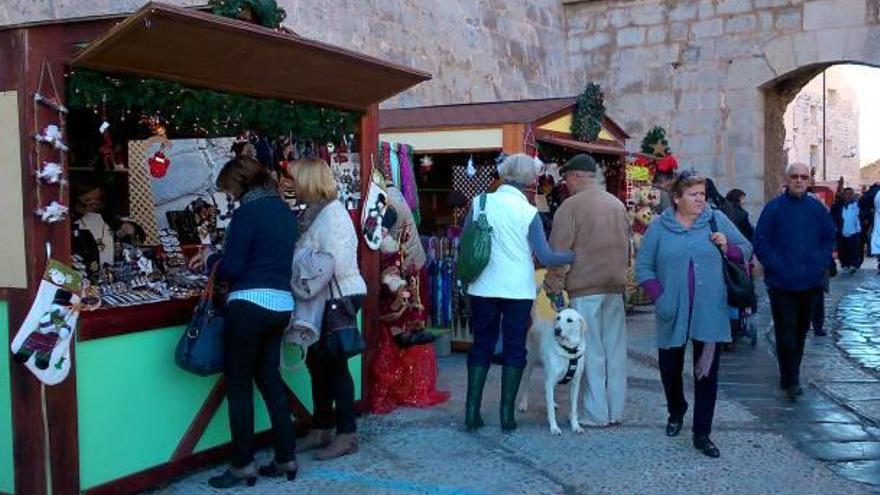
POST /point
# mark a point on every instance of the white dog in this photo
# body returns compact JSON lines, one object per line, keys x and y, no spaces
{"x":559,"y":347}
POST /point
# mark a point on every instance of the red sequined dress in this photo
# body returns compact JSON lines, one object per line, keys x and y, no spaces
{"x":402,"y":376}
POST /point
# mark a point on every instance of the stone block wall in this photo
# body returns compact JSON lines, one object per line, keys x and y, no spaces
{"x":717,"y":74}
{"x":476,"y":50}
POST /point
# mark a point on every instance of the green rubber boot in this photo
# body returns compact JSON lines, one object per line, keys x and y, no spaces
{"x":476,"y":380}
{"x":510,"y":378}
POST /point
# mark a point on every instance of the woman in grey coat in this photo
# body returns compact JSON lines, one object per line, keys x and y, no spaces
{"x":679,"y":266}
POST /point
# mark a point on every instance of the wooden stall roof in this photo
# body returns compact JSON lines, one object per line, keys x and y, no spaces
{"x":599,"y":147}
{"x":204,"y":50}
{"x":494,"y":113}
{"x":472,"y":114}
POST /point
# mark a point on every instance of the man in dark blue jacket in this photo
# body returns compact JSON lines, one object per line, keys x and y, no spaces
{"x":793,"y":241}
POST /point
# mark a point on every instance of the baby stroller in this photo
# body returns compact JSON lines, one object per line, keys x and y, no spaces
{"x":746,"y":326}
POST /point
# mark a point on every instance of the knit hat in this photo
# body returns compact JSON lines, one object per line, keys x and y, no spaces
{"x":583,"y":162}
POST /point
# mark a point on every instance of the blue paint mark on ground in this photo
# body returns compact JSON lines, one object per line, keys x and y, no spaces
{"x":391,"y":484}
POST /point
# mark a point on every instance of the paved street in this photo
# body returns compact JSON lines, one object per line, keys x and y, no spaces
{"x":829,"y":442}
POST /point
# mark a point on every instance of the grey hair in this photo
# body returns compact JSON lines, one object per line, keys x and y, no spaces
{"x":791,"y":166}
{"x":519,"y":169}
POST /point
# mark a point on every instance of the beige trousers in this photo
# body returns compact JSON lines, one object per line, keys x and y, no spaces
{"x":606,"y":356}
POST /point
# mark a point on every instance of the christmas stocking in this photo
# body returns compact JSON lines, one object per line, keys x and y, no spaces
{"x":372,"y":212}
{"x":43,"y":341}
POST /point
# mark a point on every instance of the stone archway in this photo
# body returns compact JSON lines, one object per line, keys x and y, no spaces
{"x":777,"y":95}
{"x":795,"y":60}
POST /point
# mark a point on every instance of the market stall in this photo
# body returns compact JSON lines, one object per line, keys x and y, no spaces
{"x":121,"y":416}
{"x":456,"y":150}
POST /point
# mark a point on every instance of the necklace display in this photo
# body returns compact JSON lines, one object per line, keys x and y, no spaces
{"x":94,"y":223}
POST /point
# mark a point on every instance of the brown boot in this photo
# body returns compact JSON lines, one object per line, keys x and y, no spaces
{"x":314,"y":439}
{"x":342,"y":444}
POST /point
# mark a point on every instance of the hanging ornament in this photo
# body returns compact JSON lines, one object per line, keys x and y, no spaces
{"x":52,"y":135}
{"x":426,"y":163}
{"x":53,"y":212}
{"x":159,"y":164}
{"x":42,"y":343}
{"x":471,"y":170}
{"x":51,"y":173}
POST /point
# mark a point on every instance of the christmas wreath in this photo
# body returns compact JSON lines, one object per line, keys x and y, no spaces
{"x":266,"y":13}
{"x":655,"y":143}
{"x":587,"y":120}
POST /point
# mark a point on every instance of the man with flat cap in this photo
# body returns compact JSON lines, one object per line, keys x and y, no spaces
{"x":592,"y":223}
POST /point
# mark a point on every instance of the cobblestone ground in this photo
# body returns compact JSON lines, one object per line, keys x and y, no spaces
{"x":827,"y":443}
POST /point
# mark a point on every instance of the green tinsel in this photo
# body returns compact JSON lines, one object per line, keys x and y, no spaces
{"x":194,"y":112}
{"x":266,"y":13}
{"x":654,"y":136}
{"x":587,"y":120}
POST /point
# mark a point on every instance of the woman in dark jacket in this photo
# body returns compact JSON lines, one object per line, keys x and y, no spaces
{"x":739,"y":216}
{"x":256,"y":262}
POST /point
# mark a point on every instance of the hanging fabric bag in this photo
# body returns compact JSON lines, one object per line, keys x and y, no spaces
{"x":475,"y":247}
{"x":200,"y":349}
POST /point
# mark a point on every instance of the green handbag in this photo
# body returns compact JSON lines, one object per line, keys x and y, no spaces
{"x":475,"y":246}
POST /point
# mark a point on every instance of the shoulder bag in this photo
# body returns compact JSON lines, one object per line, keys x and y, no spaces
{"x":740,"y":288}
{"x":475,"y":246}
{"x":200,"y":349}
{"x":340,"y":336}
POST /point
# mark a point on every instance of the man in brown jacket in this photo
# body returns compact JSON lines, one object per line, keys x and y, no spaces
{"x":592,"y":222}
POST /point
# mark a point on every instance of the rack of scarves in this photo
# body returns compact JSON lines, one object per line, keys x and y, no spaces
{"x":397,"y":164}
{"x":444,"y":291}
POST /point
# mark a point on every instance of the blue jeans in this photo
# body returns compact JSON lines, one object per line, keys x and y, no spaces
{"x":510,"y":317}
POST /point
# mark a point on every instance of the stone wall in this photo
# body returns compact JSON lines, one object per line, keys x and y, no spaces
{"x":476,"y":50}
{"x":717,"y":74}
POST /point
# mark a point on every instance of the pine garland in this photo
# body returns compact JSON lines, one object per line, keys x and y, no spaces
{"x":587,"y":120}
{"x":195,"y":112}
{"x":656,"y":136}
{"x":266,"y":13}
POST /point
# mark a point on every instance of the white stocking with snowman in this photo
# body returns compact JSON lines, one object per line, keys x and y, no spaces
{"x":43,"y":340}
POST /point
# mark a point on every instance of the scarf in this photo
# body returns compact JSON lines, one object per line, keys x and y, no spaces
{"x":259,"y":193}
{"x":307,"y":216}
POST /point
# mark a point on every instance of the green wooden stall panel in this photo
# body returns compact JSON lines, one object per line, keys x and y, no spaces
{"x":217,"y":432}
{"x":7,"y":479}
{"x":135,"y":404}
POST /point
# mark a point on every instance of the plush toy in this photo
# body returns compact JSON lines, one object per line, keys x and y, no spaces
{"x":52,"y":135}
{"x":51,"y":173}
{"x":642,"y":218}
{"x":53,"y":212}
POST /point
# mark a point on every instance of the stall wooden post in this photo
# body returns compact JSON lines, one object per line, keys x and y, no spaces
{"x":513,"y":137}
{"x":368,"y":259}
{"x":29,"y":443}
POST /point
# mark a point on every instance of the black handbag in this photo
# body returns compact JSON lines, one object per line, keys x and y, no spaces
{"x":740,"y":288}
{"x":340,"y":336}
{"x":200,"y":348}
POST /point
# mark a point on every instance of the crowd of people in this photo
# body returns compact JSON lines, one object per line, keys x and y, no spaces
{"x":679,"y":266}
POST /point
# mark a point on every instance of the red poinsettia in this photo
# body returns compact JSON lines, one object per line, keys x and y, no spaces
{"x":667,"y":164}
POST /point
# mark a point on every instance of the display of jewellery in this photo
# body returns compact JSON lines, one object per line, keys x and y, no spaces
{"x":173,"y":254}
